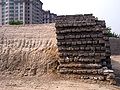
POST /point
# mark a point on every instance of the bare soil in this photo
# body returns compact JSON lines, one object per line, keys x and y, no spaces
{"x":27,"y":66}
{"x":52,"y":81}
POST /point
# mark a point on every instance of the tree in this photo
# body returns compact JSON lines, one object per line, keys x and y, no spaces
{"x":17,"y":22}
{"x":112,"y":34}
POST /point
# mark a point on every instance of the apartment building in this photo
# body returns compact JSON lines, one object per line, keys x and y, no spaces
{"x":27,"y":11}
{"x":49,"y":17}
{"x":33,"y":12}
{"x":0,"y":12}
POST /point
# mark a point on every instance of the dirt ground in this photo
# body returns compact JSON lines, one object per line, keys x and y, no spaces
{"x":46,"y":81}
{"x":54,"y":82}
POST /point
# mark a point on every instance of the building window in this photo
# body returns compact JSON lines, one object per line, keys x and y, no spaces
{"x":3,"y":8}
{"x":11,"y":4}
{"x":16,"y":15}
{"x":6,"y":12}
{"x":6,"y":19}
{"x":11,"y":14}
{"x":16,"y":11}
{"x":21,"y":18}
{"x":21,"y":7}
{"x":6,"y":15}
{"x":11,"y":18}
{"x":16,"y":7}
{"x":11,"y":7}
{"x":21,"y":10}
{"x":6,"y":7}
{"x":16,"y":18}
{"x":11,"y":11}
{"x":21,"y":14}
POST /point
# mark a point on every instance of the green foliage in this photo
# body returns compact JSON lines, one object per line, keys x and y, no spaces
{"x":112,"y":34}
{"x":15,"y":22}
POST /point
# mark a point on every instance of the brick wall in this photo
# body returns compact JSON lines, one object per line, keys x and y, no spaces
{"x":115,"y":46}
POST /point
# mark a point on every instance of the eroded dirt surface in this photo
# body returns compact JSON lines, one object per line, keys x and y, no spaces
{"x":49,"y":82}
{"x":53,"y":82}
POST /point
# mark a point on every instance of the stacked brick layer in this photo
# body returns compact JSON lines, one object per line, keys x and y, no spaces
{"x":84,"y":47}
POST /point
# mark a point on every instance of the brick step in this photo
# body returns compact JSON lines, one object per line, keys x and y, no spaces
{"x":66,"y":54}
{"x":84,"y":31}
{"x":81,"y":30}
{"x":85,"y":77}
{"x":84,"y":51}
{"x":74,"y":24}
{"x":81,"y":71}
{"x":73,"y":36}
{"x":80,"y":61}
{"x":80,"y":66}
{"x":104,"y":62}
{"x":102,"y":71}
{"x":104,"y":36}
{"x":81,"y":42}
{"x":85,"y":48}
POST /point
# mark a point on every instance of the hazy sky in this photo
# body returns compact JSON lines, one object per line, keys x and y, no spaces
{"x":108,"y":10}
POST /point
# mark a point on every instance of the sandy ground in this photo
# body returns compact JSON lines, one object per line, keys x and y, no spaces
{"x":53,"y":82}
